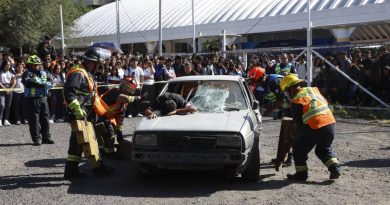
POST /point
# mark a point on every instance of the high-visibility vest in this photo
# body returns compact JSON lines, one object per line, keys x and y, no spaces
{"x":283,"y":71}
{"x":92,"y":88}
{"x":32,"y":92}
{"x":316,"y":112}
{"x":112,"y":112}
{"x":91,"y":83}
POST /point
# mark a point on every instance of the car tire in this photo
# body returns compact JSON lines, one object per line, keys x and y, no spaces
{"x":230,"y":172}
{"x":252,"y":171}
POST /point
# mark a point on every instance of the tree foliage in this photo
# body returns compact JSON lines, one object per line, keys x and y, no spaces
{"x":25,"y":23}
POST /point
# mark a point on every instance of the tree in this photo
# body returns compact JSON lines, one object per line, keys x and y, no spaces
{"x":24,"y":23}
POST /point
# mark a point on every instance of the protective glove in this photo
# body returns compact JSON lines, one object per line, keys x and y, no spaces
{"x":75,"y":107}
{"x":80,"y":114}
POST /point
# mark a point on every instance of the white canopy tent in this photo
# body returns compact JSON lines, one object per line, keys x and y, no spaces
{"x":140,"y":23}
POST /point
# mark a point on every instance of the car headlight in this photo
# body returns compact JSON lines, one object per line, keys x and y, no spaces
{"x":229,"y":141}
{"x":146,"y":139}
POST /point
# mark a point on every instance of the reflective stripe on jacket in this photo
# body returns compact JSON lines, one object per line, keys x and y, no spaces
{"x":37,"y":91}
{"x":283,"y":71}
{"x":316,"y":112}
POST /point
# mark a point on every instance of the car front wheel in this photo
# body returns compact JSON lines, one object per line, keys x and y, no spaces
{"x":252,"y":172}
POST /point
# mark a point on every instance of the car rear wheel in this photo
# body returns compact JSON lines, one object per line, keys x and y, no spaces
{"x":252,"y":172}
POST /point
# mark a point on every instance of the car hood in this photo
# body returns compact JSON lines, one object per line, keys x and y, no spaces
{"x":224,"y":121}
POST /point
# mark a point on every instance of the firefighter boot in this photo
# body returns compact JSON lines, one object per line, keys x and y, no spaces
{"x":334,"y":171}
{"x":299,"y":176}
{"x":47,"y":140}
{"x":72,"y":171}
{"x":103,"y":170}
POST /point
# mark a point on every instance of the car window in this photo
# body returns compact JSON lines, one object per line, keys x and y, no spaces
{"x":211,"y":96}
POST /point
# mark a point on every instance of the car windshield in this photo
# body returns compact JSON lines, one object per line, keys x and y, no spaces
{"x":211,"y":96}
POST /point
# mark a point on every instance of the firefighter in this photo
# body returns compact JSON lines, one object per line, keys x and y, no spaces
{"x":36,"y":91}
{"x":315,"y":127}
{"x":116,"y":101}
{"x":79,"y":94}
{"x":267,"y":91}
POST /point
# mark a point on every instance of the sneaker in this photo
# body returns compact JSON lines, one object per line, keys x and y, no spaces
{"x":7,"y":123}
{"x":25,"y":122}
{"x":299,"y":176}
{"x":47,"y":141}
{"x":51,"y":121}
{"x":18,"y":122}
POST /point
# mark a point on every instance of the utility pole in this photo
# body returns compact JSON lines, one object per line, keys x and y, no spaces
{"x":118,"y":30}
{"x":309,"y":42}
{"x":160,"y":29}
{"x":193,"y":28}
{"x":62,"y":32}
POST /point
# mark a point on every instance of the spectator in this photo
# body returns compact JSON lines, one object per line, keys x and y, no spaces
{"x":148,"y":90}
{"x":7,"y":80}
{"x":385,"y":84}
{"x":169,"y":72}
{"x":301,"y":67}
{"x":207,"y":67}
{"x":136,"y":73}
{"x":188,"y":69}
{"x":284,"y":67}
{"x":45,"y":48}
{"x":221,"y":68}
{"x":57,"y":100}
{"x":18,"y":97}
{"x":178,"y":66}
{"x":113,"y":77}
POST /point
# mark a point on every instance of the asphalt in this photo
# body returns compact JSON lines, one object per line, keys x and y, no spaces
{"x":33,"y":175}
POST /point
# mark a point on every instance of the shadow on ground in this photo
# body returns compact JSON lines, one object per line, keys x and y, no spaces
{"x":369,"y":163}
{"x":16,"y":145}
{"x":46,"y":163}
{"x":32,"y":181}
{"x":167,"y":184}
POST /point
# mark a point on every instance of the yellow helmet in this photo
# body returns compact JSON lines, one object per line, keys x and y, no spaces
{"x":288,"y":81}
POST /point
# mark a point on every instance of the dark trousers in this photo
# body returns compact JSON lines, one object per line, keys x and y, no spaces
{"x":57,"y":104}
{"x":19,"y":102}
{"x":38,"y":117}
{"x":5,"y":105}
{"x":308,"y":138}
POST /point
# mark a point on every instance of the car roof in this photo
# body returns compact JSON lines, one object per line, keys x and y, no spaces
{"x":207,"y":77}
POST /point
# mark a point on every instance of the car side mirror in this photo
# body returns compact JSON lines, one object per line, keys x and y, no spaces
{"x":255,"y":105}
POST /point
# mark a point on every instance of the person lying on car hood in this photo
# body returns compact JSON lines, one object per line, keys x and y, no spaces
{"x":168,"y":104}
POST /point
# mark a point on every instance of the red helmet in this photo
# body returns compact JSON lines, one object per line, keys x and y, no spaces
{"x":256,"y":73}
{"x":128,"y":84}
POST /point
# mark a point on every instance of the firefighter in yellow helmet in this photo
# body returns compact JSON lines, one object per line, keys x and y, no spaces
{"x":79,"y":94}
{"x":115,"y":102}
{"x":315,"y":126}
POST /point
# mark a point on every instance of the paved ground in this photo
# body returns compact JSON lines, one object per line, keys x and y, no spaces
{"x":33,"y":175}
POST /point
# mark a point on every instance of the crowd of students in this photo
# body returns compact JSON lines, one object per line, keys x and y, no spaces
{"x":370,"y":68}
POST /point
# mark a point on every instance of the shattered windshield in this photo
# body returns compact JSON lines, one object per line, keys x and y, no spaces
{"x":212,"y":96}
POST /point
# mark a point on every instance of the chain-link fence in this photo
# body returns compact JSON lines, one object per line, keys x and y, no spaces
{"x":367,"y":69}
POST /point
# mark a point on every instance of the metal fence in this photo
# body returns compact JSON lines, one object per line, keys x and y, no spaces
{"x":367,"y":79}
